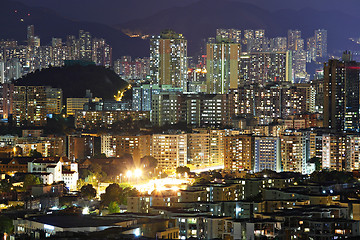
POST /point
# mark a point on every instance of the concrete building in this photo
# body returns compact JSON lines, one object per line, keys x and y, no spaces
{"x":168,"y":59}
{"x":239,"y":153}
{"x":267,"y":154}
{"x":222,"y":66}
{"x":170,"y":150}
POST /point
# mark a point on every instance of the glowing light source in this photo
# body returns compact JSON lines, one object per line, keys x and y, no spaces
{"x":85,"y":211}
{"x":138,"y":172}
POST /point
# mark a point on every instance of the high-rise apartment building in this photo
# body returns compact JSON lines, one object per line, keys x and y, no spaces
{"x":239,"y":153}
{"x":142,"y":95}
{"x":234,"y":35}
{"x":341,"y":94}
{"x":263,"y":67}
{"x":168,"y":59}
{"x":101,"y":52}
{"x":170,"y":150}
{"x":115,"y":146}
{"x":294,"y":152}
{"x":278,"y":44}
{"x":293,"y":37}
{"x":352,"y":152}
{"x":198,"y":149}
{"x":334,"y":152}
{"x":84,"y":45}
{"x":321,"y":43}
{"x":267,"y":154}
{"x":222,"y":66}
{"x":192,"y":109}
{"x":30,"y":35}
{"x":32,"y":104}
{"x":166,"y":108}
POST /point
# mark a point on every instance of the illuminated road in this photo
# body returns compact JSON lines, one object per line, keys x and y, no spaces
{"x":215,"y":167}
{"x":169,"y":183}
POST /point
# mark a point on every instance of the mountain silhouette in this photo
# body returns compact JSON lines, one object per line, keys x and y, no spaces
{"x":74,"y":80}
{"x":201,"y":19}
{"x":48,"y":24}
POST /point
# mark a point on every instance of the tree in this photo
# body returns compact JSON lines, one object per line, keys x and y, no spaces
{"x":113,"y":207}
{"x":96,"y":172}
{"x":202,"y":180}
{"x":115,"y":193}
{"x":5,"y":186}
{"x":332,"y":176}
{"x":149,"y":162}
{"x":31,"y":180}
{"x":317,"y":162}
{"x":183,"y":170}
{"x":6,"y":225}
{"x":217,"y":175}
{"x":112,"y":194}
{"x":35,"y":154}
{"x":88,"y":191}
{"x":99,"y":156}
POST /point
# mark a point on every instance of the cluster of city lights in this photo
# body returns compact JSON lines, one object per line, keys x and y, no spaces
{"x":136,"y":173}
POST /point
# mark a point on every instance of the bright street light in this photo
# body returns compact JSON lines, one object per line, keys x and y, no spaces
{"x":138,"y":172}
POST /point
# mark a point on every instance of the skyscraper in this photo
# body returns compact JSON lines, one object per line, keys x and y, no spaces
{"x":321,"y":43}
{"x":267,"y":154}
{"x":293,"y":36}
{"x":239,"y":152}
{"x":262,"y":67}
{"x":222,"y":66}
{"x":85,"y":45}
{"x":233,"y":34}
{"x":30,"y":35}
{"x":168,"y":59}
{"x":341,"y":94}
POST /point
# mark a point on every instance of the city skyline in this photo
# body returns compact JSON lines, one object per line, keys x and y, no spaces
{"x":194,"y":119}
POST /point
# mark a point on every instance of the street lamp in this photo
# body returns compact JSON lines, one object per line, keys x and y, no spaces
{"x":138,"y":174}
{"x":128,"y":175}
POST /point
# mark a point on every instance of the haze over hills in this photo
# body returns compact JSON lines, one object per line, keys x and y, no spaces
{"x":108,"y":11}
{"x":120,"y":11}
{"x":16,"y":17}
{"x":196,"y":19}
{"x":201,"y":19}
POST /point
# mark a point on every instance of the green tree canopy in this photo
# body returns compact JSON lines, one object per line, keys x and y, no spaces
{"x":6,"y":225}
{"x":30,"y":180}
{"x":331,"y":176}
{"x":88,"y":191}
{"x":182,"y":169}
{"x":35,"y":154}
{"x":149,"y":162}
{"x":5,"y":186}
{"x":113,"y":207}
{"x":118,"y":194}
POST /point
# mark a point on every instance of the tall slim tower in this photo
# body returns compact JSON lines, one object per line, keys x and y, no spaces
{"x":30,"y":35}
{"x":321,"y":43}
{"x":222,"y":66}
{"x":341,"y":94}
{"x":293,"y":37}
{"x":168,"y":59}
{"x":85,"y":45}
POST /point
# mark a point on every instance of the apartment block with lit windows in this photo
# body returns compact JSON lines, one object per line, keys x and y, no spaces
{"x":294,"y":152}
{"x":168,"y":59}
{"x":239,"y":152}
{"x":170,"y":150}
{"x":334,"y":152}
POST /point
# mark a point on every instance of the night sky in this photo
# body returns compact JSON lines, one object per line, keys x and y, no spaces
{"x":119,"y":11}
